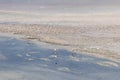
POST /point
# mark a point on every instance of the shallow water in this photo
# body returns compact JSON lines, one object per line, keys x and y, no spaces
{"x":23,"y":60}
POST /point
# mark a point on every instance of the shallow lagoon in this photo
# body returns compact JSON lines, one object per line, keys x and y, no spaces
{"x":23,"y":60}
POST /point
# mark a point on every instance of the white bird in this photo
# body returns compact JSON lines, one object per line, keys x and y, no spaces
{"x":55,"y":53}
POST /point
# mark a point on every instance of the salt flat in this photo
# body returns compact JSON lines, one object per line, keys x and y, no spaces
{"x":94,"y":34}
{"x":59,"y":40}
{"x":86,"y":39}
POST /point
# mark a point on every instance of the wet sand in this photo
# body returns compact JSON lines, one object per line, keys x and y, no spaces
{"x":100,"y":41}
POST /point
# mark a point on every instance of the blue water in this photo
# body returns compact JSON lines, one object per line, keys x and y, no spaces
{"x":33,"y":62}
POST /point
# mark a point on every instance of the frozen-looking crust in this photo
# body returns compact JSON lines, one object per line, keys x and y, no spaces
{"x":101,"y":41}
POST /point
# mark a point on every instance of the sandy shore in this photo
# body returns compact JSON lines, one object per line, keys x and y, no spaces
{"x":100,"y":41}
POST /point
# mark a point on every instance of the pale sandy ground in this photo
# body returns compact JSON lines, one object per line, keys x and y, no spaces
{"x":100,"y":41}
{"x":94,"y":34}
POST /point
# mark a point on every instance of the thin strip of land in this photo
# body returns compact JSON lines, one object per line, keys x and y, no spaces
{"x":96,"y":40}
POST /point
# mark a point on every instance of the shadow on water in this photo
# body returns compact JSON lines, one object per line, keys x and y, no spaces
{"x":27,"y":58}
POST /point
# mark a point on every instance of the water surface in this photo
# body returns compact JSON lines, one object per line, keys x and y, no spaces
{"x":23,"y":60}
